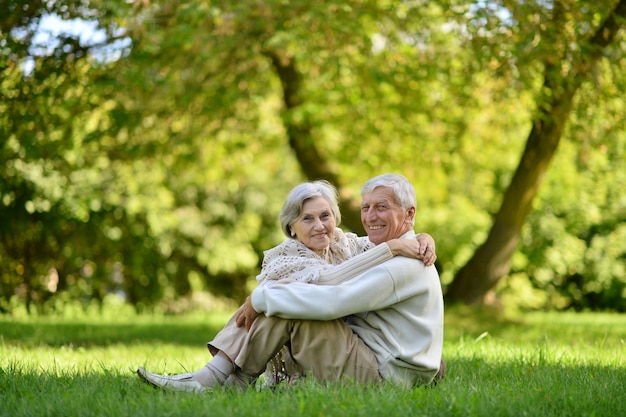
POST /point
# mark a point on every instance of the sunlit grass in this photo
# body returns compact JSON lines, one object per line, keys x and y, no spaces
{"x":542,"y":364}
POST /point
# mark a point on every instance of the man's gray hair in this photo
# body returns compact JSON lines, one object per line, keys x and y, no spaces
{"x":401,"y":186}
{"x":292,"y":208}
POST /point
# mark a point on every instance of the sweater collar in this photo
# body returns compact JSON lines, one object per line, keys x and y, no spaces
{"x":408,"y":235}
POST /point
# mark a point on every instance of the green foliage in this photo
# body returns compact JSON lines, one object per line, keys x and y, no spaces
{"x":157,"y":168}
{"x":563,"y":272}
{"x":574,"y":248}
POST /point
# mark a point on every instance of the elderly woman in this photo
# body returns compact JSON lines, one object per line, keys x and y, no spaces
{"x":316,"y":252}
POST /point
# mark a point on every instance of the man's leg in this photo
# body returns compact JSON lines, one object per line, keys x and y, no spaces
{"x":328,"y":349}
{"x":332,"y":351}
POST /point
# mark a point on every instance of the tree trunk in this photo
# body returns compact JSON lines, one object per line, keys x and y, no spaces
{"x":492,"y":259}
{"x":313,"y":165}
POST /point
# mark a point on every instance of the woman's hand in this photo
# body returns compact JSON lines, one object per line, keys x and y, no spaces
{"x":246,"y":314}
{"x":427,"y":248}
{"x":423,"y":248}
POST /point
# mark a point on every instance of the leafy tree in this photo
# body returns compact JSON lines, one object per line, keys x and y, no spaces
{"x":568,"y":57}
{"x":45,"y":96}
{"x":157,"y":167}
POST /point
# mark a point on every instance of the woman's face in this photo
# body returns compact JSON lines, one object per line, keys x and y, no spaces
{"x":315,"y":227}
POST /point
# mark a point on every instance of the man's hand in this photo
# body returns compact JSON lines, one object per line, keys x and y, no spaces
{"x":246,"y":314}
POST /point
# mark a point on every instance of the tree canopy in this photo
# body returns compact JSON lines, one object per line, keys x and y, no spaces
{"x":148,"y":153}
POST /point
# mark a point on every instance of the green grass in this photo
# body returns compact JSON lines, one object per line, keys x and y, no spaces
{"x":542,"y":364}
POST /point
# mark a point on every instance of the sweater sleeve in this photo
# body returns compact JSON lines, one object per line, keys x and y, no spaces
{"x":299,"y":300}
{"x":355,"y":266}
{"x":378,"y":288}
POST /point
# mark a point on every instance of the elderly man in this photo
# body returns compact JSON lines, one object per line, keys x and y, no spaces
{"x":385,"y":324}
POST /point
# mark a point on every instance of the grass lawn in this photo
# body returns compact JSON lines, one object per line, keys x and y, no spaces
{"x":540,"y":364}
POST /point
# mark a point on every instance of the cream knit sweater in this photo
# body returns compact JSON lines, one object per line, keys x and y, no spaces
{"x":347,"y":256}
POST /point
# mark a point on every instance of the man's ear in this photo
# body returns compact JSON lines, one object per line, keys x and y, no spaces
{"x":410,"y":213}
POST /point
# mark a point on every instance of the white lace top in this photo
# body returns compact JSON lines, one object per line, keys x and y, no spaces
{"x":292,"y":259}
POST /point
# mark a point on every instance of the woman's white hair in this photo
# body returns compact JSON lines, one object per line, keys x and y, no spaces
{"x":292,"y":208}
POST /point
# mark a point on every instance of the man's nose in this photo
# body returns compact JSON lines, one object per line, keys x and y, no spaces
{"x":369,"y":214}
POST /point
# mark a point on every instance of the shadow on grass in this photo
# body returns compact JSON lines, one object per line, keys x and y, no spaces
{"x":102,"y":334}
{"x":183,"y":331}
{"x":606,"y":331}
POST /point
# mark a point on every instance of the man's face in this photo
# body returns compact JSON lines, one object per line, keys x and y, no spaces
{"x":383,"y":217}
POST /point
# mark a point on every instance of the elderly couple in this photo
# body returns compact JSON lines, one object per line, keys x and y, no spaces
{"x":333,"y":305}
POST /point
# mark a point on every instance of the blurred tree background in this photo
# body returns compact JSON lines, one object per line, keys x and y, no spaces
{"x":147,"y":146}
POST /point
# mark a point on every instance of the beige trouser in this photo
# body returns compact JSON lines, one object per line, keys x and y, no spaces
{"x":330,"y":350}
